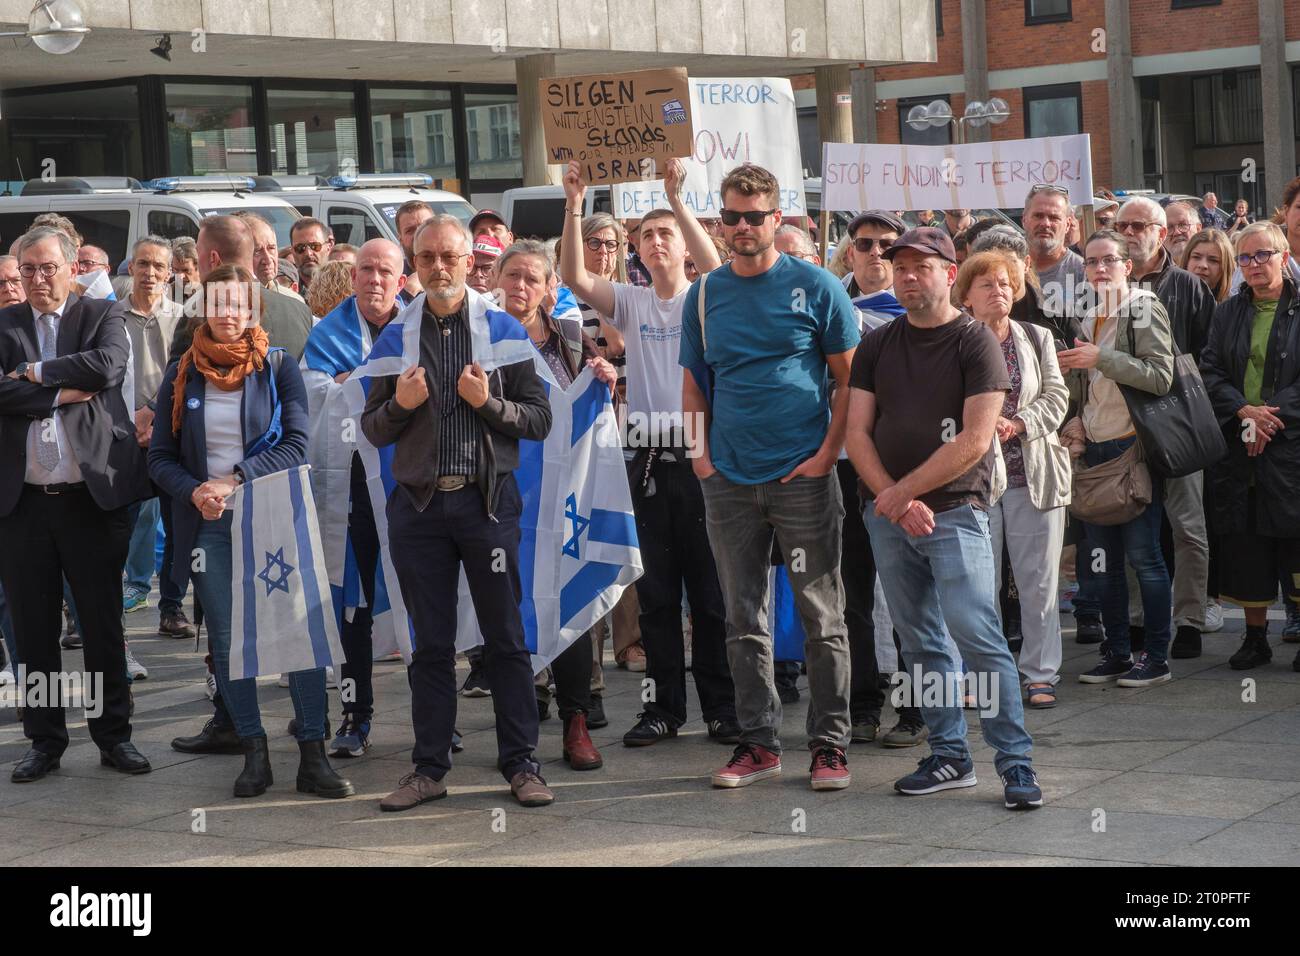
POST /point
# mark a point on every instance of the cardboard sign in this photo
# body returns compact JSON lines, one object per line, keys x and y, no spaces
{"x":996,"y":175}
{"x":618,"y":125}
{"x":736,"y":120}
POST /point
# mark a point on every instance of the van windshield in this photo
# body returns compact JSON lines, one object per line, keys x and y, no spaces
{"x":461,"y":210}
{"x":281,"y":218}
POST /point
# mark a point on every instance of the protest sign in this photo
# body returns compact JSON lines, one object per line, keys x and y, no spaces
{"x":736,"y":120}
{"x":618,"y":125}
{"x":968,"y":176}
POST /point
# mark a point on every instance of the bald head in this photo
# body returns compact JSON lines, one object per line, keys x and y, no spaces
{"x":224,"y":240}
{"x":377,"y":279}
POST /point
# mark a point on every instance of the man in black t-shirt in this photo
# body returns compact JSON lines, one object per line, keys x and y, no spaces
{"x":926,"y":393}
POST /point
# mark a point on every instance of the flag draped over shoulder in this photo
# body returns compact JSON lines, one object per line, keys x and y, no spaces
{"x":578,"y":547}
{"x":338,"y":344}
{"x":280,"y":596}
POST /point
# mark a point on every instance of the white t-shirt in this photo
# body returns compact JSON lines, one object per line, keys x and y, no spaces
{"x":223,"y":424}
{"x":652,"y":332}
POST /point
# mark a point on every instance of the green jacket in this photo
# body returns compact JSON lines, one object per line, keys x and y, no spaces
{"x":1143,"y":355}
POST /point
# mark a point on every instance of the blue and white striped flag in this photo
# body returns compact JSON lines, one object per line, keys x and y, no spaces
{"x":578,"y":548}
{"x":281,"y":613}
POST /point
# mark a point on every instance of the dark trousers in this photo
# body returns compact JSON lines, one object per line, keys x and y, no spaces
{"x":858,"y":575}
{"x":49,"y":538}
{"x":355,"y":635}
{"x":572,"y":673}
{"x":171,"y":593}
{"x":675,"y":549}
{"x":428,"y":550}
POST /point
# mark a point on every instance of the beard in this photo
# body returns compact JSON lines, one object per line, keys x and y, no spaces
{"x":1046,"y":246}
{"x":451,"y":292}
{"x":757,"y":249}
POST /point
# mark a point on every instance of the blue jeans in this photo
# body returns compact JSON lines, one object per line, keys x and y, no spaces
{"x":140,"y":559}
{"x":212,"y":586}
{"x":948,"y":577}
{"x":1087,"y":599}
{"x":1139,"y":541}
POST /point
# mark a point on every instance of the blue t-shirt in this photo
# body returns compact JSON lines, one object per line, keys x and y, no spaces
{"x":768,"y":338}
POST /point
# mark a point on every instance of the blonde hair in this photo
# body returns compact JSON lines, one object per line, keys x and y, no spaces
{"x":1219,"y":239}
{"x":1270,"y":229}
{"x":331,"y":284}
{"x":839,"y":264}
{"x":980,"y":264}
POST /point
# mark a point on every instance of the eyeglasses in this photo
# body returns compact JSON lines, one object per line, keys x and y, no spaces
{"x":1106,"y":222}
{"x":484,"y":269}
{"x":864,"y":244}
{"x":755,"y":217}
{"x":1259,"y":258}
{"x":1107,"y":261}
{"x":448,"y":258}
{"x":14,"y":282}
{"x":90,"y":265}
{"x":1184,"y":227}
{"x":609,"y":245}
{"x":1134,"y":225}
{"x":47,"y":269}
{"x":301,"y":247}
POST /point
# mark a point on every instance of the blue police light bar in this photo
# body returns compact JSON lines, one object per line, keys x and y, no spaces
{"x":181,"y":184}
{"x":380,"y":181}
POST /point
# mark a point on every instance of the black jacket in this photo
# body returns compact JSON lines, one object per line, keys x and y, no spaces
{"x":1275,"y":472}
{"x":93,"y":349}
{"x":517,"y":408}
{"x":1187,"y":299}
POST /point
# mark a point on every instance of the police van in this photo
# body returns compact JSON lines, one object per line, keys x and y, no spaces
{"x":113,"y":212}
{"x":364,"y":206}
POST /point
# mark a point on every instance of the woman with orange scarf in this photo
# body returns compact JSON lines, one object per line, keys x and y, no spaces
{"x":220,"y":401}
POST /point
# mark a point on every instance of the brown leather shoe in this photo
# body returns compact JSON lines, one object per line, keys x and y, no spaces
{"x":530,"y":789}
{"x":413,"y":790}
{"x":579,"y":751}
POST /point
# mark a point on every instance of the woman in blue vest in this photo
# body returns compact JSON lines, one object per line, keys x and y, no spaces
{"x":237,"y":410}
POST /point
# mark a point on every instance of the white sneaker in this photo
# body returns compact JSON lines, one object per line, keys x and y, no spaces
{"x":134,"y":669}
{"x":210,"y":686}
{"x":7,"y":675}
{"x":1213,"y":617}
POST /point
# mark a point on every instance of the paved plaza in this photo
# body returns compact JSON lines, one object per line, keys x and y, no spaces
{"x":1182,"y":774}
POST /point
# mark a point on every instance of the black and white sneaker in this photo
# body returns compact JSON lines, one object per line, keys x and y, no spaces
{"x":936,"y":773}
{"x":1020,"y":788}
{"x":724,"y":731}
{"x":649,"y":729}
{"x":1111,"y":668}
{"x":1146,"y":672}
{"x":476,"y":684}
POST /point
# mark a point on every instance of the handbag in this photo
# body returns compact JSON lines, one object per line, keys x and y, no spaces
{"x":1114,"y":492}
{"x":1178,"y":431}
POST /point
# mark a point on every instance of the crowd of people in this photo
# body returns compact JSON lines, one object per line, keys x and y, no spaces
{"x":902,"y":430}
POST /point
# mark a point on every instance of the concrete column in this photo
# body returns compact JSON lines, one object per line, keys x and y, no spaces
{"x":863,"y":85}
{"x":834,"y":120}
{"x":532,"y":143}
{"x":1125,"y":105}
{"x":1275,"y":91}
{"x":974,"y":62}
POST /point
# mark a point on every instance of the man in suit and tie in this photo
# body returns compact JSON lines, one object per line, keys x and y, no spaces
{"x":69,"y":470}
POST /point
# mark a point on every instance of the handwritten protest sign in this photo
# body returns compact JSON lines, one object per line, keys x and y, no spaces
{"x":618,"y":125}
{"x":737,"y":120}
{"x":968,"y":176}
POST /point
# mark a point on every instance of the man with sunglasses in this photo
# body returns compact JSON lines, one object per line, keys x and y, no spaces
{"x":487,"y":250}
{"x":764,"y":336}
{"x":311,"y":243}
{"x":1190,"y":304}
{"x":666,"y":494}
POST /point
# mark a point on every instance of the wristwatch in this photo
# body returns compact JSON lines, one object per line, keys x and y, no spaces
{"x":21,"y":370}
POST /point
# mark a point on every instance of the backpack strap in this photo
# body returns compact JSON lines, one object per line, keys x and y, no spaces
{"x":703,"y":310}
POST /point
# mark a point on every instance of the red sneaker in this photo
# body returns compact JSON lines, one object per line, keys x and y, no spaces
{"x":830,"y":770}
{"x":749,"y":763}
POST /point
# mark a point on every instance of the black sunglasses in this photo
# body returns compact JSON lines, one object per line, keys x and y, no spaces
{"x":865,"y":245}
{"x":755,"y":217}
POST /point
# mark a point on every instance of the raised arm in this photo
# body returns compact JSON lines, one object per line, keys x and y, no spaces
{"x":596,"y":291}
{"x":698,"y":241}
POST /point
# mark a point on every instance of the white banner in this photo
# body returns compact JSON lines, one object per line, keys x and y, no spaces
{"x":737,"y":120}
{"x":995,"y":175}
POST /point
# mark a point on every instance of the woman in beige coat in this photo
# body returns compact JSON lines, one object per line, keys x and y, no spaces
{"x":1030,"y":515}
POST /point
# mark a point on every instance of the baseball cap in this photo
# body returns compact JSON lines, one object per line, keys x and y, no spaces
{"x":485,"y":214}
{"x":1099,"y":203}
{"x":879,"y":216}
{"x":287,"y":269}
{"x":924,"y":239}
{"x":488,"y":245}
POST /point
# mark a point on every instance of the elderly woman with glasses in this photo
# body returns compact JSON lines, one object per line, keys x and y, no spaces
{"x":1129,"y":343}
{"x":1251,"y":368}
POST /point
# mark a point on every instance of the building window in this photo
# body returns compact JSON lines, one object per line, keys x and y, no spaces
{"x":1228,"y":108}
{"x":931,"y":136}
{"x":407,"y":116}
{"x":938,"y":17}
{"x":492,"y":130}
{"x":82,"y":131}
{"x":1047,"y":11}
{"x":210,"y":129}
{"x":1186,"y":4}
{"x":313,"y":132}
{"x":1053,"y":110}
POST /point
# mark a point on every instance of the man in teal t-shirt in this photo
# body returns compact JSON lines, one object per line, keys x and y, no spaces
{"x":776,"y":331}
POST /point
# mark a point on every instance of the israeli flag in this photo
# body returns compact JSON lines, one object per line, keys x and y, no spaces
{"x":96,"y":285}
{"x":280,"y":601}
{"x":578,"y":549}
